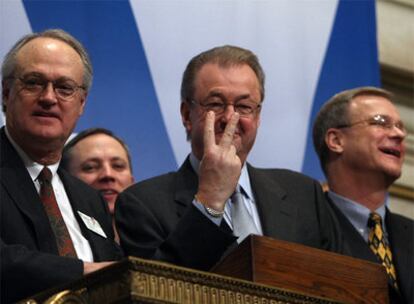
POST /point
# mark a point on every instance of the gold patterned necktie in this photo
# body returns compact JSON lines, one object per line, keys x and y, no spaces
{"x":379,"y":246}
{"x":47,"y":196}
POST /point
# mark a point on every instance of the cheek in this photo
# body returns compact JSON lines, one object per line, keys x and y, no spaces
{"x":89,"y":178}
{"x":249,"y":126}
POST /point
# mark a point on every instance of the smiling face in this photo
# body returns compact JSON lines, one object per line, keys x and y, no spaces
{"x":230,"y":85}
{"x":102,"y":162}
{"x":43,"y":119}
{"x":369,"y":148}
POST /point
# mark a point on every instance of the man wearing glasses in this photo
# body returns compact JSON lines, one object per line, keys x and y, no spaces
{"x":54,"y":228}
{"x":192,"y":216}
{"x":359,"y":137}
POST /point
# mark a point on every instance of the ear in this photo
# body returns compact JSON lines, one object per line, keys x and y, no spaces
{"x":5,"y":94}
{"x":334,"y":140}
{"x":82,"y":103}
{"x":185,"y":116}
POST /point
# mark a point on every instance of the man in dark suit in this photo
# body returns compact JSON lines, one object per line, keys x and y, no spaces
{"x":54,"y":228}
{"x":359,"y":137}
{"x":192,"y":216}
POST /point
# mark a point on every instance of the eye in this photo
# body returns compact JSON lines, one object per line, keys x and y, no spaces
{"x":244,"y":107}
{"x":33,"y":83}
{"x":212,"y":104}
{"x":89,"y":167}
{"x":119,"y":166}
{"x":65,"y":89}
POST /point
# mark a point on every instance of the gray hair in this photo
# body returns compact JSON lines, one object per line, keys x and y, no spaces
{"x":334,"y":113}
{"x":224,"y":56}
{"x":8,"y":67}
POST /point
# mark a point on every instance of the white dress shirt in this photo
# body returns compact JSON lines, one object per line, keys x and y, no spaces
{"x":81,"y":244}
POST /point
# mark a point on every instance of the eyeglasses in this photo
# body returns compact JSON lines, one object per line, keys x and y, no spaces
{"x":380,"y":120}
{"x":244,"y":108}
{"x":64,"y":89}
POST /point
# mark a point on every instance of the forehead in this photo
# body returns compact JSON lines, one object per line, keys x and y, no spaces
{"x":364,"y":105}
{"x":49,"y":56}
{"x":99,"y":145}
{"x":212,"y":75}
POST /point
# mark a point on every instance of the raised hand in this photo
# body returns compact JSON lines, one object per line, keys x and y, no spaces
{"x":220,"y":167}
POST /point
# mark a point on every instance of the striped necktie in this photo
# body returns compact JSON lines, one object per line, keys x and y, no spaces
{"x":47,"y":196}
{"x":380,"y":247}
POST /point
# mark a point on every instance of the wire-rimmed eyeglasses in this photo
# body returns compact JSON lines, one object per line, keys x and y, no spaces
{"x":35,"y":85}
{"x":243,"y":107}
{"x":380,"y":120}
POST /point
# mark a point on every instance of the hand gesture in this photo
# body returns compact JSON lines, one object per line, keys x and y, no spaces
{"x":220,"y":167}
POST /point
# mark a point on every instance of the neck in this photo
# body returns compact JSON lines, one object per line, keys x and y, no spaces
{"x":44,"y":152}
{"x":369,"y":191}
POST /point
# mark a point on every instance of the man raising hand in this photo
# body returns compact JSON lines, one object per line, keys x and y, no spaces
{"x":192,"y":216}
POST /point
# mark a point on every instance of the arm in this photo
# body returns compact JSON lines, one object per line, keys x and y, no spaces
{"x":190,"y":240}
{"x":25,"y":272}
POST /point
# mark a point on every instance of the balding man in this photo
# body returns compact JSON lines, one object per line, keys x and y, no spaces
{"x":54,"y":228}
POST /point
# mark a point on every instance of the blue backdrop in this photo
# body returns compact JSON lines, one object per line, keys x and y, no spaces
{"x":309,"y":50}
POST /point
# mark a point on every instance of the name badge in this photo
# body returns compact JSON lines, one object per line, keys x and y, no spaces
{"x":92,"y":224}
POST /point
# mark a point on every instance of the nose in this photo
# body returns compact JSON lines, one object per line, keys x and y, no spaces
{"x":106,"y":173}
{"x":228,"y":112}
{"x":399,"y":132}
{"x":48,"y":94}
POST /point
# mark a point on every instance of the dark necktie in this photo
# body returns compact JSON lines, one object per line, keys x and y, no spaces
{"x":243,"y":223}
{"x":47,"y":196}
{"x":379,"y":246}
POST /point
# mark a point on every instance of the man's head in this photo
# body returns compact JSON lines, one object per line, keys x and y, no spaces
{"x":100,"y":159}
{"x":359,"y":131}
{"x":214,"y":80}
{"x":45,"y":78}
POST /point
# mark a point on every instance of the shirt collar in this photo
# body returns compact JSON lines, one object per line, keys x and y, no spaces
{"x":244,"y":180}
{"x":32,"y":167}
{"x":357,"y":213}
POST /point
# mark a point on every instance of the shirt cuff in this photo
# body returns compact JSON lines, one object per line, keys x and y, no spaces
{"x":200,"y":206}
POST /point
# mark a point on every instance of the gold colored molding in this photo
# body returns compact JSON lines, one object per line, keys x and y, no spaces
{"x":403,"y":192}
{"x":137,"y":280}
{"x":400,"y":82}
{"x":171,"y":284}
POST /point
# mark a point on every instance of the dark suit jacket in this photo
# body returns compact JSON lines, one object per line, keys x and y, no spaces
{"x":29,"y":255}
{"x":157,"y":220}
{"x":401,"y":237}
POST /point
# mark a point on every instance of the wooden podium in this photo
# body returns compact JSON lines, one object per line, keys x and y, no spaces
{"x":308,"y":270}
{"x":260,"y":270}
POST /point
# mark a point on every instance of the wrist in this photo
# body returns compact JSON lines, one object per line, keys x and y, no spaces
{"x":211,"y":211}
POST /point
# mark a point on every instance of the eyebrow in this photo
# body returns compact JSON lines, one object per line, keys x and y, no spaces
{"x":219,"y":94}
{"x":40,"y":75}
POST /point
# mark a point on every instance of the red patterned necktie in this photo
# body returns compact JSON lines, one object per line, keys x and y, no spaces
{"x":47,"y":196}
{"x":379,"y":246}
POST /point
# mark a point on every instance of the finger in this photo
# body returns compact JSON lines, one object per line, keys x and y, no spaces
{"x":229,"y":131}
{"x":209,"y":136}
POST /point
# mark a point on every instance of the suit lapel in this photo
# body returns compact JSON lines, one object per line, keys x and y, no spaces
{"x":79,"y":202}
{"x":278,"y":217}
{"x":19,"y":185}
{"x":399,"y":232}
{"x":354,"y":243}
{"x":186,"y":184}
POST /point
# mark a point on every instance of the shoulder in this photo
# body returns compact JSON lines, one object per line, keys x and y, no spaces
{"x":75,"y":184}
{"x":153,"y":185}
{"x":282,"y":176}
{"x":401,"y":220}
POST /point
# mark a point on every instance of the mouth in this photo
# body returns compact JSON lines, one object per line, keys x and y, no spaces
{"x":108,"y":192}
{"x":46,"y":114}
{"x":391,"y":151}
